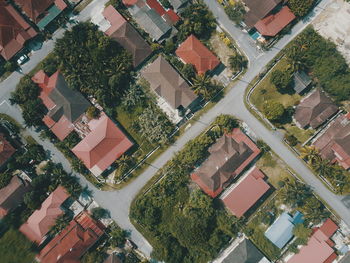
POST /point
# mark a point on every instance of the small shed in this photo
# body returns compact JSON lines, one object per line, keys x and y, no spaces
{"x":301,"y":81}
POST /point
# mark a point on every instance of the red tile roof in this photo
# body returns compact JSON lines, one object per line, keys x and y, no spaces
{"x":246,"y":192}
{"x":54,"y":88}
{"x":102,"y":146}
{"x":14,"y":31}
{"x":318,"y":249}
{"x":40,"y":222}
{"x":6,"y":149}
{"x":12,"y":195}
{"x":129,"y":2}
{"x":172,"y":15}
{"x":192,"y":51}
{"x":334,"y":143}
{"x":229,"y":156}
{"x":73,"y":241}
{"x":154,"y":4}
{"x":273,"y":24}
{"x":34,"y":9}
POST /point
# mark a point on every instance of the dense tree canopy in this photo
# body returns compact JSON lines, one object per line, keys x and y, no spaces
{"x":197,"y":20}
{"x":280,"y":79}
{"x":273,"y":110}
{"x":321,"y":58}
{"x":235,"y":12}
{"x":300,"y":7}
{"x":93,"y":63}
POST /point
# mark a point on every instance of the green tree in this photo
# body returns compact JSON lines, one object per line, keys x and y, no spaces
{"x":99,"y":213}
{"x":169,"y":46}
{"x":235,"y":12}
{"x":5,"y":179}
{"x":237,"y":62}
{"x":273,"y":110}
{"x":117,"y":235}
{"x":310,"y":154}
{"x":189,"y":71}
{"x":300,"y":7}
{"x":302,"y":232}
{"x":202,"y":85}
{"x":60,"y":223}
{"x":281,"y":80}
{"x":165,"y":3}
{"x":93,"y":113}
{"x":133,"y":96}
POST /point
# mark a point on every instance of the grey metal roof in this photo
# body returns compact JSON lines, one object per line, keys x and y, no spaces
{"x":69,"y":103}
{"x":245,"y":252}
{"x":150,"y":21}
{"x":301,"y":81}
{"x":178,"y":3}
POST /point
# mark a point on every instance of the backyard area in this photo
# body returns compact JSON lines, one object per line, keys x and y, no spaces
{"x":266,"y":91}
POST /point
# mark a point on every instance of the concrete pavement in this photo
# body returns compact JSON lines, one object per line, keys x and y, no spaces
{"x":118,"y":202}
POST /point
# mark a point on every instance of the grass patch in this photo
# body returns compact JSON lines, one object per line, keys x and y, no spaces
{"x":301,"y":134}
{"x":266,"y":91}
{"x":15,"y":248}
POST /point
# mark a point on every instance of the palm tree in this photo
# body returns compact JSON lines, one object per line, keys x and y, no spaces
{"x":310,"y":154}
{"x":323,"y":168}
{"x":202,"y":85}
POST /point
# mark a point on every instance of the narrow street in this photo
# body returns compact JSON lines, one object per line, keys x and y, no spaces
{"x":118,"y":202}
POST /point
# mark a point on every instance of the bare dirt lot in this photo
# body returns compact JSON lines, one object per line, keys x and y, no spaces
{"x":334,"y":24}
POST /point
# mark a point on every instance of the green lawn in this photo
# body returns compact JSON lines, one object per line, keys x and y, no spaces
{"x":15,"y":248}
{"x":301,"y":134}
{"x":266,"y":91}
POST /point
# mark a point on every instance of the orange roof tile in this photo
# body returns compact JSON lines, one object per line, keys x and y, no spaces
{"x":318,"y":249}
{"x":6,"y":149}
{"x":129,"y":2}
{"x":246,"y":192}
{"x":40,"y":222}
{"x":73,"y":241}
{"x":192,"y":51}
{"x":14,"y":31}
{"x":102,"y":146}
{"x":273,"y":24}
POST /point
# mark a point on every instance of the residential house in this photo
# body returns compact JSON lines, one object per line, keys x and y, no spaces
{"x":281,"y":231}
{"x":168,"y":84}
{"x":73,"y":241}
{"x":258,"y":9}
{"x":244,"y":251}
{"x":272,"y":24}
{"x":126,"y":35}
{"x":41,"y":12}
{"x":301,"y":81}
{"x":65,"y":105}
{"x":314,"y":110}
{"x":12,"y":195}
{"x":168,"y":15}
{"x":148,"y":19}
{"x":6,"y":150}
{"x":246,"y":192}
{"x":40,"y":222}
{"x":178,"y":4}
{"x":192,"y":51}
{"x":102,"y":146}
{"x":229,"y":156}
{"x":14,"y":31}
{"x":334,"y":143}
{"x":319,"y":248}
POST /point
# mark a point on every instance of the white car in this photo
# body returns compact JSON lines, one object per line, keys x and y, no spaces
{"x":22,"y":59}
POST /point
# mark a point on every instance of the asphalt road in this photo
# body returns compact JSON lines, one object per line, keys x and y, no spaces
{"x":118,"y":202}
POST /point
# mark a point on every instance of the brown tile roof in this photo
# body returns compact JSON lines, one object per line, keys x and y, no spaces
{"x":14,"y":31}
{"x":12,"y":195}
{"x":168,"y":84}
{"x":258,"y":9}
{"x":69,"y":245}
{"x":126,"y":35}
{"x":315,"y":109}
{"x":273,"y":24}
{"x":246,"y":192}
{"x":192,"y":51}
{"x":319,"y":247}
{"x":229,"y":156}
{"x":34,"y":8}
{"x":6,"y":150}
{"x":334,"y":143}
{"x":40,"y":222}
{"x":102,"y":146}
{"x":112,"y":258}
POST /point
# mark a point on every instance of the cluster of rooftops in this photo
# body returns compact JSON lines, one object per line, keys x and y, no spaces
{"x":15,"y":31}
{"x":68,"y":245}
